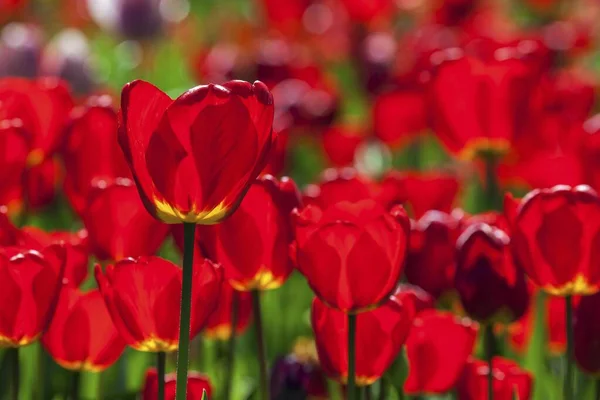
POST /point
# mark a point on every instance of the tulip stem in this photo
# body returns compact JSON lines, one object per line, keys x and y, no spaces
{"x":229,"y":363}
{"x":597,"y":389}
{"x":568,"y":384}
{"x":368,"y":394}
{"x":189,"y":231}
{"x":75,"y":381}
{"x":161,"y":360}
{"x":351,"y":357}
{"x":13,"y":353}
{"x":493,"y":196}
{"x":489,"y":344}
{"x":262,"y":354}
{"x":383,"y":389}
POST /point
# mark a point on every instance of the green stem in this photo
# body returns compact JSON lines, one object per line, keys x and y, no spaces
{"x":186,"y":310}
{"x":383,"y":389}
{"x":161,"y":361}
{"x":597,"y":389}
{"x":489,"y":342}
{"x":351,"y":388}
{"x":13,"y":353}
{"x":368,"y":394}
{"x":568,"y":384}
{"x":229,"y":363}
{"x":75,"y":381}
{"x":262,"y":354}
{"x":493,"y":194}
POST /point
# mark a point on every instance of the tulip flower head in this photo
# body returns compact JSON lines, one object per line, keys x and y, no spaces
{"x":196,"y":385}
{"x":194,"y":158}
{"x":352,"y":254}
{"x":510,"y":381}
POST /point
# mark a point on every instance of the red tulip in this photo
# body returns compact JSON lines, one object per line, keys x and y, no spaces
{"x":193,"y":158}
{"x":14,"y":148}
{"x":490,"y":287}
{"x":344,"y":184}
{"x":143,"y":296}
{"x":421,"y":299}
{"x":380,"y":334}
{"x":253,"y":244}
{"x":41,"y":182}
{"x":82,"y":336}
{"x":555,"y":239}
{"x":474,"y":105}
{"x":422,"y":191}
{"x":431,"y":256}
{"x":74,"y":243}
{"x":219,"y":325}
{"x":285,"y":17}
{"x":510,"y":381}
{"x":586,"y":338}
{"x":278,"y":156}
{"x":9,"y":234}
{"x":399,"y":115}
{"x":196,"y":385}
{"x":29,"y":285}
{"x":118,"y":225}
{"x":91,"y":152}
{"x":436,"y":360}
{"x":352,"y":254}
{"x":367,"y":10}
{"x":340,"y":144}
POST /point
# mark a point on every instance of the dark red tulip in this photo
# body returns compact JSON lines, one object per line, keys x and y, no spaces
{"x":510,"y":381}
{"x":431,"y":261}
{"x":586,"y":334}
{"x":342,"y":245}
{"x":422,"y":300}
{"x":253,"y":244}
{"x":380,"y":334}
{"x":344,"y":184}
{"x":422,"y":191}
{"x":82,"y":336}
{"x":490,"y":287}
{"x":219,"y":324}
{"x":436,"y":361}
{"x":474,"y":104}
{"x":399,"y":115}
{"x":141,"y":295}
{"x":193,"y":158}
{"x":91,"y":152}
{"x":29,"y":285}
{"x":196,"y":385}
{"x":74,"y":243}
{"x":556,"y":237}
{"x":117,"y":223}
{"x":278,"y":156}
{"x":340,"y":144}
{"x":454,"y":12}
{"x":41,"y":182}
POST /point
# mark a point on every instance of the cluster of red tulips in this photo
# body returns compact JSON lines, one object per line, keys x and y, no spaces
{"x":424,"y":284}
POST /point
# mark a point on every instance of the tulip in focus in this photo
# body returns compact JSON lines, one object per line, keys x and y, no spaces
{"x":82,"y":336}
{"x":194,"y":158}
{"x":352,"y":254}
{"x":143,"y":295}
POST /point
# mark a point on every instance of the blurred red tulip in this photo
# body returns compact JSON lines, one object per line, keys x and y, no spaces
{"x":219,"y":325}
{"x":196,"y":385}
{"x":336,"y":185}
{"x":30,"y":282}
{"x":82,"y":336}
{"x":117,"y":223}
{"x":352,"y":254}
{"x":41,"y":183}
{"x":278,"y":155}
{"x":423,"y":191}
{"x":367,"y":10}
{"x":9,"y":234}
{"x":340,"y":144}
{"x":91,"y":152}
{"x":399,"y":115}
{"x":143,"y":296}
{"x":490,"y":287}
{"x":8,"y":7}
{"x":555,"y":239}
{"x":450,"y":350}
{"x":586,"y":338}
{"x":74,"y":243}
{"x":193,"y":158}
{"x":14,"y":148}
{"x":521,"y":331}
{"x":285,"y":17}
{"x":422,"y":300}
{"x":431,"y":261}
{"x":380,"y":334}
{"x":454,"y":12}
{"x":474,"y":105}
{"x":510,"y":381}
{"x":253,"y":244}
